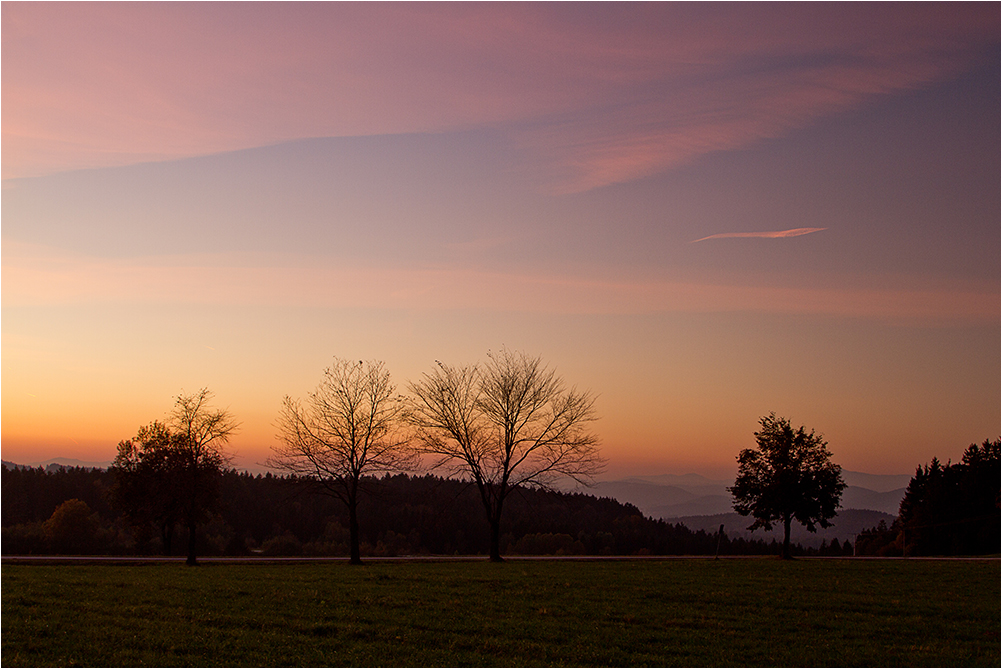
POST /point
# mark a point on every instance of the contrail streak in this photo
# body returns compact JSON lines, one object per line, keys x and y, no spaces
{"x":793,"y":232}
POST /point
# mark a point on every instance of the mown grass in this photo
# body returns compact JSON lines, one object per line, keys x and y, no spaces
{"x":690,"y":612}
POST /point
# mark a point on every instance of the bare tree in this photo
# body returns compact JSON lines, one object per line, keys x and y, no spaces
{"x":348,"y":428}
{"x":504,"y":424}
{"x":200,"y":434}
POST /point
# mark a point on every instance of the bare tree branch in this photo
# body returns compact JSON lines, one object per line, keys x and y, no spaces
{"x":506,"y":423}
{"x":348,"y":428}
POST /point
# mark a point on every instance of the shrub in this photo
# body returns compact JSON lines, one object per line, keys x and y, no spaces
{"x":282,"y":545}
{"x":71,"y":528}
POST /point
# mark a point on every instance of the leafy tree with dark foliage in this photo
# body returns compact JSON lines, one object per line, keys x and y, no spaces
{"x":71,"y":528}
{"x":147,"y":469}
{"x":787,"y":477}
{"x":172,"y":473}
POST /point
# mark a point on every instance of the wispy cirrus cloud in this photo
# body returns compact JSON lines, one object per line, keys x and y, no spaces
{"x":793,"y":232}
{"x":597,"y":95}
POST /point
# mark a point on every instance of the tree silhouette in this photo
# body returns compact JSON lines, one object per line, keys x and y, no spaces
{"x":953,"y":509}
{"x":147,"y":469}
{"x":348,"y":428}
{"x":202,"y":434}
{"x":504,"y":424}
{"x":787,"y":477}
{"x":172,"y":471}
{"x":71,"y":527}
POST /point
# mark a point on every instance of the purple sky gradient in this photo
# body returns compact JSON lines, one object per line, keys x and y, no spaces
{"x":227,"y":195}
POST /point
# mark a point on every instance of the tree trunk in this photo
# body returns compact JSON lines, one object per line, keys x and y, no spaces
{"x":353,"y":532}
{"x":786,"y":555}
{"x":493,"y":510}
{"x":191,"y":544}
{"x":166,"y":534}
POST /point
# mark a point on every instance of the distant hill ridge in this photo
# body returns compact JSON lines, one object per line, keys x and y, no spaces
{"x":845,"y":526}
{"x":701,"y":503}
{"x":670,"y":496}
{"x":60,"y":461}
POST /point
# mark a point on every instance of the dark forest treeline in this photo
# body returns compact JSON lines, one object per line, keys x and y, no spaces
{"x":947,"y":510}
{"x":71,"y":511}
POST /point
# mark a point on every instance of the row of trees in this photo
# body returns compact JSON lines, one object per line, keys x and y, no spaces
{"x":72,"y":511}
{"x":947,"y":509}
{"x":503,"y":424}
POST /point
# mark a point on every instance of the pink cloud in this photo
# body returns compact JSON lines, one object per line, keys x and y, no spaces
{"x":793,"y":232}
{"x":36,"y":276}
{"x":596,"y":95}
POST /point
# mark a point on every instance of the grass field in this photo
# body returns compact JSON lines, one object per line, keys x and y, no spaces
{"x":683,"y":612}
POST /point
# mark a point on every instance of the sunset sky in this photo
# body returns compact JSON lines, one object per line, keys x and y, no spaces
{"x":703,"y":213}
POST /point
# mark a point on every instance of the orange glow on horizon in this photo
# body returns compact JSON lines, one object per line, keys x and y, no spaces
{"x":226,"y":195}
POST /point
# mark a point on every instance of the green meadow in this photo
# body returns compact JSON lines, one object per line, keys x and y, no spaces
{"x":676,"y":612}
